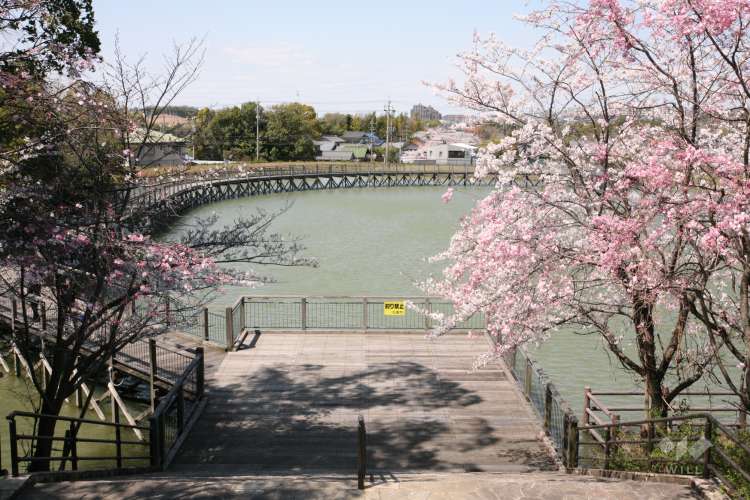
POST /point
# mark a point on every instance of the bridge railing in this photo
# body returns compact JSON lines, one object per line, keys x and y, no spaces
{"x":148,"y":191}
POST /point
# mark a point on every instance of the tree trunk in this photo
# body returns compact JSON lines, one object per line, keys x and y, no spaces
{"x":655,"y":406}
{"x":45,"y":428}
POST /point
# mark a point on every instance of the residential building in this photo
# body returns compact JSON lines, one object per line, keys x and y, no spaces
{"x":335,"y":156}
{"x":158,"y":148}
{"x":355,"y":137}
{"x":361,"y":152}
{"x":450,"y":154}
{"x":424,"y":113}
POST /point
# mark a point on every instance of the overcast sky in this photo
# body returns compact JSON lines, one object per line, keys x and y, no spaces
{"x":336,"y":55}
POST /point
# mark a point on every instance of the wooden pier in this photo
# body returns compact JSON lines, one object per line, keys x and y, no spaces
{"x":289,"y":402}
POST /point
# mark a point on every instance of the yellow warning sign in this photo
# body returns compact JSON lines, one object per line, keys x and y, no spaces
{"x":397,"y":308}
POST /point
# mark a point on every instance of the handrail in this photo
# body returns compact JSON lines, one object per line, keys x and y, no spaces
{"x":558,"y":420}
{"x":162,"y":448}
{"x":178,"y":386}
{"x":630,"y":423}
{"x":17,"y":413}
{"x":710,"y":426}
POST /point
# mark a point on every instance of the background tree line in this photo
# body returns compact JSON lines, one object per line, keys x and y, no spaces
{"x":287,"y":131}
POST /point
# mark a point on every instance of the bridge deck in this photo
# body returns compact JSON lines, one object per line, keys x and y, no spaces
{"x":289,"y":402}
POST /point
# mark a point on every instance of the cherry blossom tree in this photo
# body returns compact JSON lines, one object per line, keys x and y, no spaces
{"x":633,"y":116}
{"x":67,"y":237}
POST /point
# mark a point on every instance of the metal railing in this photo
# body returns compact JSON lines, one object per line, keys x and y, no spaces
{"x":168,"y":427}
{"x":558,"y":419}
{"x":309,"y":313}
{"x":695,"y":445}
{"x":173,"y":417}
{"x":344,"y":313}
{"x":136,"y":355}
{"x":77,"y":448}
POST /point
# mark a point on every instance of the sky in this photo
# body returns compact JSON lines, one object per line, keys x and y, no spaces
{"x":344,"y":56}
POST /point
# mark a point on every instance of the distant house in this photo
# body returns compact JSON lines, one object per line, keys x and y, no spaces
{"x":158,"y":148}
{"x":335,"y":156}
{"x":355,"y":137}
{"x":361,"y":152}
{"x":451,"y":154}
{"x":322,"y":146}
{"x":332,"y":138}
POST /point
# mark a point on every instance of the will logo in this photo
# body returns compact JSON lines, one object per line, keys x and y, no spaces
{"x":683,"y":450}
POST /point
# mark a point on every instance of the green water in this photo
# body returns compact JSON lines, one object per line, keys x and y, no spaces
{"x":17,"y":394}
{"x":376,"y":241}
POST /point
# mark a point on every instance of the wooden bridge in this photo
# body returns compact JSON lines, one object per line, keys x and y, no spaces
{"x":161,"y":199}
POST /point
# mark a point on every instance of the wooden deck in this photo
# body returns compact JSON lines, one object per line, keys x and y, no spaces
{"x":289,"y":402}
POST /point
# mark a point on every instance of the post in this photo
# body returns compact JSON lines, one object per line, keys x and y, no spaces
{"x":73,"y":447}
{"x":167,"y":310}
{"x":707,"y":435}
{"x":118,"y":433}
{"x":229,"y":328}
{"x":527,"y":379}
{"x":16,"y":363}
{"x":361,"y":453}
{"x":365,"y":313}
{"x":241,"y":306}
{"x":607,"y":439}
{"x":615,"y":431}
{"x":154,"y":441}
{"x":180,"y":410}
{"x":200,"y":380}
{"x":303,"y":312}
{"x":428,"y":306}
{"x":586,"y":404}
{"x":547,"y":408}
{"x":572,"y":441}
{"x":13,"y":445}
{"x":152,"y":373}
{"x":43,"y":310}
{"x":14,"y":314}
{"x":205,"y":323}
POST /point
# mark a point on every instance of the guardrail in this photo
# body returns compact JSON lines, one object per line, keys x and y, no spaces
{"x":73,"y":443}
{"x":167,"y":429}
{"x":310,"y":313}
{"x":346,"y":313}
{"x":596,"y":410}
{"x":695,"y":445}
{"x":558,"y":420}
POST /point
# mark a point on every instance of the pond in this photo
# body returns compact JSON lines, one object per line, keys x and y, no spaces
{"x":17,"y":394}
{"x":376,"y":241}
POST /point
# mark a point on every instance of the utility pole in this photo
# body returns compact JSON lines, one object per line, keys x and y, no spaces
{"x":257,"y":131}
{"x":193,"y":137}
{"x":388,"y":110}
{"x":372,"y":134}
